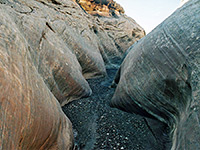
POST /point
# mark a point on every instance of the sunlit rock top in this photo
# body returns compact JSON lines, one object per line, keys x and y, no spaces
{"x":104,"y":8}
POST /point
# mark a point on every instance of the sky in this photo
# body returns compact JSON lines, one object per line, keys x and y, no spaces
{"x":149,"y":13}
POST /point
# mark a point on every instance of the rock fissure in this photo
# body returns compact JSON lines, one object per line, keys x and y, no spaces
{"x":48,"y":25}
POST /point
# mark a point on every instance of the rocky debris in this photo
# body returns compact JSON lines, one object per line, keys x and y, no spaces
{"x":106,"y":8}
{"x":160,"y":79}
{"x":98,"y":126}
{"x":48,"y":49}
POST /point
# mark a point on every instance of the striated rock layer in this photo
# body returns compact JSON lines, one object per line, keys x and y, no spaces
{"x":48,"y":48}
{"x":31,"y":117}
{"x":160,"y":79}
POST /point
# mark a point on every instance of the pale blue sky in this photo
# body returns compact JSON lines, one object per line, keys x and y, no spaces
{"x":149,"y":13}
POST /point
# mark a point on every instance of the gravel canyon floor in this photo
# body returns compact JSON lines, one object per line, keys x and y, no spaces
{"x":97,"y":126}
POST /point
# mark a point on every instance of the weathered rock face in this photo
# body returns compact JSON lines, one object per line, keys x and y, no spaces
{"x":160,"y":79}
{"x":67,"y":45}
{"x":123,"y":30}
{"x":31,"y":117}
{"x":48,"y":49}
{"x":105,"y":8}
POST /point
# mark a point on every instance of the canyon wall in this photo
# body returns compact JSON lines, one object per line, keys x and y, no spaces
{"x":160,"y":79}
{"x":48,"y":48}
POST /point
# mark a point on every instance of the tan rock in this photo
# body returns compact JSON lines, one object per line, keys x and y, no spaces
{"x":101,"y":7}
{"x":31,"y":117}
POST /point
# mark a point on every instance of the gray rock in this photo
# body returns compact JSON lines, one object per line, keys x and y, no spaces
{"x":160,"y":79}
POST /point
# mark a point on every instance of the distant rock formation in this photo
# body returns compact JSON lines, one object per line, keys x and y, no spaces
{"x":48,"y":48}
{"x":160,"y":79}
{"x":107,"y":8}
{"x":121,"y":29}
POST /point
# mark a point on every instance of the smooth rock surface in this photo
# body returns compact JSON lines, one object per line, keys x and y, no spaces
{"x":160,"y":79}
{"x":31,"y":117}
{"x":48,"y":48}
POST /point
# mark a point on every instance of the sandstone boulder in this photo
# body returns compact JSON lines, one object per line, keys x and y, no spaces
{"x":31,"y":117}
{"x":160,"y":79}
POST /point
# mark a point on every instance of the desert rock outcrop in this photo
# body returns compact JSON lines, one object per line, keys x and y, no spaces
{"x":160,"y":79}
{"x":106,"y":8}
{"x":48,"y":49}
